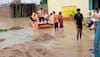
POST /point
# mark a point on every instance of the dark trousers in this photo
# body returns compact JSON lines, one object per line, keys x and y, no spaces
{"x":41,"y":19}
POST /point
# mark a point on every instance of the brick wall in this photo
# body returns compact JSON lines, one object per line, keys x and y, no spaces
{"x":5,"y":11}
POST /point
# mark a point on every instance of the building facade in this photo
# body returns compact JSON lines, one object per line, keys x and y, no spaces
{"x":69,"y":5}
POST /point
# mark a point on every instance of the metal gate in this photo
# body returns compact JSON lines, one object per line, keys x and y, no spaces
{"x":22,"y":10}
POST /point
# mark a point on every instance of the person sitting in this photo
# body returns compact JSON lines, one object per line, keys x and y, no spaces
{"x":45,"y":18}
{"x":41,"y":15}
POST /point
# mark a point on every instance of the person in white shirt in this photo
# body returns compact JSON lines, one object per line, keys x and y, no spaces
{"x":51,"y":19}
{"x":97,"y":17}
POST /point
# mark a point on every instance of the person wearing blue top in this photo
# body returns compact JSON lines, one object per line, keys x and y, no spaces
{"x":97,"y":41}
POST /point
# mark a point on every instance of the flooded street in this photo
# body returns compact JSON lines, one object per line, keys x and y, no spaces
{"x":62,"y":43}
{"x":15,"y":36}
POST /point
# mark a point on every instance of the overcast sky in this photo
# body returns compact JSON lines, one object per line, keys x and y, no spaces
{"x":23,"y":1}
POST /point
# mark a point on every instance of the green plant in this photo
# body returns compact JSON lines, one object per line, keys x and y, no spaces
{"x":72,"y":14}
{"x":3,"y":30}
{"x":43,"y":1}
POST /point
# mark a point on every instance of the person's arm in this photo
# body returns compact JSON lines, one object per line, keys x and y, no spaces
{"x":37,"y":19}
{"x":83,"y":21}
{"x":82,"y":16}
{"x":75,"y":18}
{"x":93,"y":15}
{"x":54,"y":18}
{"x":31,"y":18}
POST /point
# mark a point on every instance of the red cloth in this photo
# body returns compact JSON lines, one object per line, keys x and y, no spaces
{"x":60,"y":20}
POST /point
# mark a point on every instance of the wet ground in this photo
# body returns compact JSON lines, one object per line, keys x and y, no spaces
{"x":62,"y":43}
{"x":15,"y":35}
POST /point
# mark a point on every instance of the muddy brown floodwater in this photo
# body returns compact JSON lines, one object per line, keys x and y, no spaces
{"x":22,"y":41}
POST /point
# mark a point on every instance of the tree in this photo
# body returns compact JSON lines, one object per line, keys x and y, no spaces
{"x":43,"y":2}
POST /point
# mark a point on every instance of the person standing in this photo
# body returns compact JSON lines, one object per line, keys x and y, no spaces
{"x":60,"y":19}
{"x":51,"y":21}
{"x":55,"y":17}
{"x":97,"y":41}
{"x":79,"y":18}
{"x":34,"y":22}
{"x":96,"y":17}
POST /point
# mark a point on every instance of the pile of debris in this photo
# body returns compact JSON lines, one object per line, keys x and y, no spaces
{"x":43,"y":37}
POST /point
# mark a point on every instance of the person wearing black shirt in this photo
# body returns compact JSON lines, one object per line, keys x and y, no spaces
{"x":79,"y":18}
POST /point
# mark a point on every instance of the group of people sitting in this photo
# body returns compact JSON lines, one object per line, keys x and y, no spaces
{"x":43,"y":18}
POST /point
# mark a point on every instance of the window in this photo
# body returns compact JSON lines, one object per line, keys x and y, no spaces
{"x":94,"y":4}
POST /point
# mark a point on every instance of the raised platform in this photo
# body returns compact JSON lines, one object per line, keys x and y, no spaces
{"x":44,"y":26}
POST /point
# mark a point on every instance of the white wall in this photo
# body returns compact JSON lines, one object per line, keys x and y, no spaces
{"x":56,"y":5}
